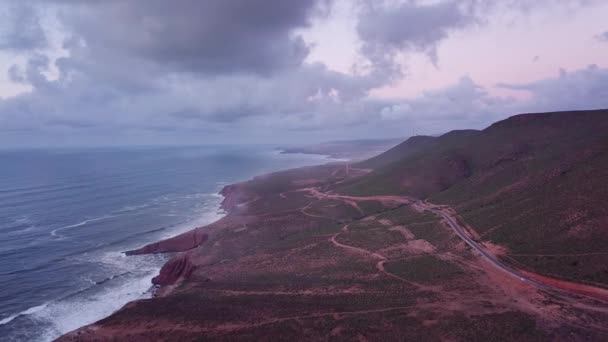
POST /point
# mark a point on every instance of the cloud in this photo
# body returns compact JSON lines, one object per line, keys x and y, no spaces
{"x":469,"y":105}
{"x":211,"y":37}
{"x":464,"y":104}
{"x":33,"y":74}
{"x":580,"y":89}
{"x":603,"y":37}
{"x":386,"y":29}
{"x":217,"y":61}
{"x":230,"y":69}
{"x":20,"y":29}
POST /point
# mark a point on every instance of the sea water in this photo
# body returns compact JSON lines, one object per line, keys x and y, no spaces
{"x":66,"y":216}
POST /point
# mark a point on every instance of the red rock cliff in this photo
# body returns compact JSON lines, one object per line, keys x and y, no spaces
{"x":178,"y":267}
{"x":180,"y":243}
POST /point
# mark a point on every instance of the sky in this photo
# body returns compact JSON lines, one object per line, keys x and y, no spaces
{"x":156,"y":72}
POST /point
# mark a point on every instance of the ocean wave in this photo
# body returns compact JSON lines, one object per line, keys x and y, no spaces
{"x":40,"y":190}
{"x":24,"y":219}
{"x":66,"y":315}
{"x":18,"y":225}
{"x":209,"y":213}
{"x":127,"y":278}
{"x":22,"y":230}
{"x":129,"y":208}
{"x":131,"y":281}
{"x":217,"y":195}
{"x":80,"y":224}
{"x":28,"y":311}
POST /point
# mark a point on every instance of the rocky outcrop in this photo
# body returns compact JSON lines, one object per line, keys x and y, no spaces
{"x":176,"y":268}
{"x":234,"y":194}
{"x":180,"y":243}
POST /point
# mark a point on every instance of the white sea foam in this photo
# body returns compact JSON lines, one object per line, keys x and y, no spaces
{"x":69,"y":314}
{"x":23,"y":219}
{"x":132,"y":275}
{"x":129,"y":277}
{"x":129,"y":208}
{"x":23,"y":223}
{"x":27,"y":228}
{"x":55,"y":231}
{"x":210,"y":213}
{"x":131,"y":281}
{"x":28,"y":311}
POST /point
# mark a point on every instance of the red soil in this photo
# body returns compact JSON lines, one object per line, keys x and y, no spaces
{"x":178,"y":267}
{"x":299,"y":273}
{"x":583,"y":289}
{"x":180,"y":243}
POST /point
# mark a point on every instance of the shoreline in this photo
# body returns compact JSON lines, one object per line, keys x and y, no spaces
{"x":108,"y":291}
{"x":187,"y":240}
{"x":336,"y":157}
{"x":317,"y":250}
{"x":255,"y":238}
{"x":176,"y":266}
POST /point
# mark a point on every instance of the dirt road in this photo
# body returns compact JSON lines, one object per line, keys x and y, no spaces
{"x":539,"y":281}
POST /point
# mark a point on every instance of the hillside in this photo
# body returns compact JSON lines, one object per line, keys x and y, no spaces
{"x":399,"y":152}
{"x":535,"y":183}
{"x":492,"y":235}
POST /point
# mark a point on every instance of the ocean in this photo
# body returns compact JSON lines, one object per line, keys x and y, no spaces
{"x":66,"y":216}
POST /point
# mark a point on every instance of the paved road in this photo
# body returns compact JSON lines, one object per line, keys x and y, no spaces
{"x":568,"y":287}
{"x":491,"y":258}
{"x":453,"y":223}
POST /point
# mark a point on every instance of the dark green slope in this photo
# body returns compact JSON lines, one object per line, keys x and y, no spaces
{"x":535,"y":183}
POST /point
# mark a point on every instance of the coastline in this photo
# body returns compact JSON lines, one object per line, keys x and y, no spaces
{"x":312,"y":252}
{"x":131,"y":281}
{"x":167,"y":247}
{"x":346,"y":150}
{"x":178,"y":266}
{"x":244,"y":269}
{"x":177,"y":248}
{"x":336,"y":157}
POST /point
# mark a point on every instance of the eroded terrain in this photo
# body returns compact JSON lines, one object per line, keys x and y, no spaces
{"x":296,"y":260}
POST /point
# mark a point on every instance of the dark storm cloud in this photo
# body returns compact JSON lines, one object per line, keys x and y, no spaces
{"x":33,"y":73}
{"x":227,"y":114}
{"x":15,"y":74}
{"x":123,"y":57}
{"x":226,"y":69}
{"x":602,"y":37}
{"x":20,"y":28}
{"x":386,"y":29}
{"x":211,"y":36}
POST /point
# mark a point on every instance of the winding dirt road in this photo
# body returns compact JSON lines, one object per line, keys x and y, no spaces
{"x":539,"y":281}
{"x":381,"y":258}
